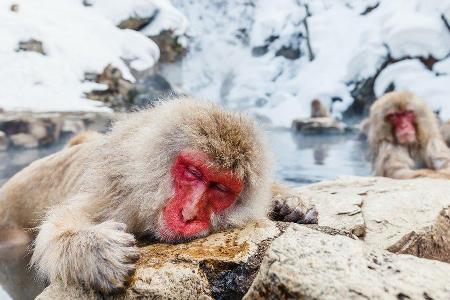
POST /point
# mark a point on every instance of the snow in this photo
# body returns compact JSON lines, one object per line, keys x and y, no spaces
{"x":76,"y":39}
{"x":250,"y":55}
{"x":412,"y":75}
{"x":442,"y":67}
{"x":164,"y":15}
{"x":349,"y":44}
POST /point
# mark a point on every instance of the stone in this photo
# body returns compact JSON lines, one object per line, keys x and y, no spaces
{"x":222,"y":264}
{"x":326,"y":125}
{"x":119,"y":92}
{"x":306,"y":264}
{"x":24,"y":140}
{"x":381,"y":211}
{"x":343,"y":257}
{"x":31,"y":45}
{"x":432,"y":242}
{"x":170,"y":48}
{"x":150,"y":89}
{"x":14,"y":8}
{"x":3,"y":141}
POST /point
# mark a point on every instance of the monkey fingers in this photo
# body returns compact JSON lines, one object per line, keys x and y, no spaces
{"x":117,"y":255}
{"x":283,"y":212}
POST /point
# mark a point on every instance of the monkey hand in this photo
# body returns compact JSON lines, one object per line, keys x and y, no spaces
{"x":435,"y":174}
{"x":112,"y":259}
{"x":444,"y":173}
{"x":101,"y":256}
{"x":291,"y":207}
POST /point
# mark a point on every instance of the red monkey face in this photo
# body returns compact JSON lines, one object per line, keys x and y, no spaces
{"x":404,"y":129}
{"x":200,"y":192}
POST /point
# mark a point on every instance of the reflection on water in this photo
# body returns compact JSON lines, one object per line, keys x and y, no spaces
{"x":307,"y":159}
{"x":16,"y":279}
{"x":13,"y":161}
{"x":299,"y":160}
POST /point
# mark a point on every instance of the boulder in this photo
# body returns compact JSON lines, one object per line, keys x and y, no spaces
{"x":324,"y":125}
{"x":3,"y":141}
{"x":220,"y":265}
{"x":119,"y":91}
{"x":383,"y":211}
{"x":31,"y":44}
{"x":431,"y":242}
{"x":306,"y":264}
{"x":32,"y":130}
{"x":24,"y":140}
{"x":344,"y":257}
{"x":280,"y":260}
{"x":168,"y":43}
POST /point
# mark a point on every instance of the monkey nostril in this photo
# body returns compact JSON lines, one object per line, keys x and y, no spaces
{"x":187,"y":214}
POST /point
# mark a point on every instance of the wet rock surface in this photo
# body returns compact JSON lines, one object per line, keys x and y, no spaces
{"x":311,"y":126}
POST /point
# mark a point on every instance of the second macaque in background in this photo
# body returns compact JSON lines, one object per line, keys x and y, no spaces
{"x":318,"y":110}
{"x":405,"y":140}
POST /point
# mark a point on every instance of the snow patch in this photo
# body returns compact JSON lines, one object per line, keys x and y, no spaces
{"x":412,"y":75}
{"x":350,"y":40}
{"x":76,"y":39}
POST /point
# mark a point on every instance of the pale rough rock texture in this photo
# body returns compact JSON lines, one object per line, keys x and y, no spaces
{"x":306,"y":264}
{"x":223,"y":263}
{"x":325,"y":261}
{"x":431,"y":242}
{"x":379,"y":210}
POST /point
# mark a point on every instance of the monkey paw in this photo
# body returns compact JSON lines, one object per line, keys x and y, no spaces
{"x":113,"y":258}
{"x":300,"y":214}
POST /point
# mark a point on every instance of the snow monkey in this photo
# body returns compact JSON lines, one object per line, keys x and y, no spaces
{"x":404,"y":138}
{"x":445,"y":131}
{"x":177,"y":171}
{"x":318,"y":110}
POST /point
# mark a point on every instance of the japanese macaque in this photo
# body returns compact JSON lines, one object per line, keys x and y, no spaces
{"x":445,"y":131}
{"x":178,"y":171}
{"x":404,"y":138}
{"x":318,"y":110}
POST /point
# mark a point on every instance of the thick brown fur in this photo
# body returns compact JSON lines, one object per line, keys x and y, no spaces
{"x":428,"y":157}
{"x":318,"y":110}
{"x":83,"y":137}
{"x":90,"y":200}
{"x":445,"y":131}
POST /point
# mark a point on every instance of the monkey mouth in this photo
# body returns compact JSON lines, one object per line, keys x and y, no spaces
{"x":406,"y":138}
{"x":175,"y":227}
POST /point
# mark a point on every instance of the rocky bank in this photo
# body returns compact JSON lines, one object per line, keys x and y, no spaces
{"x":354,"y":252}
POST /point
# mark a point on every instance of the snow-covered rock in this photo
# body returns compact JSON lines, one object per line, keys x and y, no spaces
{"x":235,"y":51}
{"x":159,"y":14}
{"x":412,"y":75}
{"x":76,"y":37}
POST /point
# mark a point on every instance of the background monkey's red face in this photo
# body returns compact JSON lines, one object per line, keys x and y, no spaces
{"x":403,"y":123}
{"x":200,"y":191}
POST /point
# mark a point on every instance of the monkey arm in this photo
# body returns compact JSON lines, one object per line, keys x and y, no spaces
{"x":395,"y":162}
{"x":290,"y":206}
{"x":71,"y":247}
{"x":437,"y":154}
